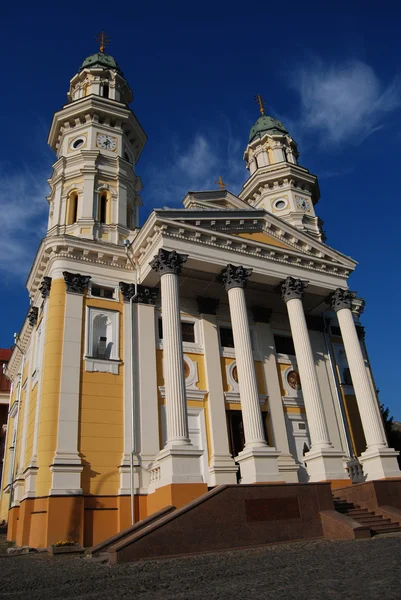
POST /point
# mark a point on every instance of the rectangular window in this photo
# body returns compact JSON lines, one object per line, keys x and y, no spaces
{"x":226,"y":337}
{"x":102,"y":292}
{"x":284,"y":344}
{"x":187,"y":331}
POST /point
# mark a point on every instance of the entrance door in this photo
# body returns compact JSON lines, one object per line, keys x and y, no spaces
{"x":235,"y":431}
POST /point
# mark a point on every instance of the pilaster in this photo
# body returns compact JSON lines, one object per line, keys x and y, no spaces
{"x":67,"y":467}
{"x":222,"y":467}
{"x":286,"y":464}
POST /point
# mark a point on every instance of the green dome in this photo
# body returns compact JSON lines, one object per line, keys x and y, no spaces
{"x":100,"y":59}
{"x":266,"y":124}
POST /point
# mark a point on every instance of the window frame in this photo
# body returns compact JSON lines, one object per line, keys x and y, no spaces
{"x":94,"y":363}
{"x":103,"y":284}
{"x":195,"y":347}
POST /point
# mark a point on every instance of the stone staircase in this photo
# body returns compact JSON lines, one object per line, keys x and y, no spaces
{"x":376,"y":523}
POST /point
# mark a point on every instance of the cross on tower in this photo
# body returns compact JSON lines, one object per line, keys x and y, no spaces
{"x":221,"y":183}
{"x":103,"y":40}
{"x":261,"y":102}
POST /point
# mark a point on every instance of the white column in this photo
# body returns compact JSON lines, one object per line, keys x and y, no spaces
{"x":67,"y":467}
{"x":258,"y":461}
{"x":222,"y":467}
{"x":287,"y":466}
{"x":323,"y":461}
{"x":378,"y":461}
{"x":179,"y":460}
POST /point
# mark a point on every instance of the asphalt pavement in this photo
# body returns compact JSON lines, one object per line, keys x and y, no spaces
{"x":366,"y":569}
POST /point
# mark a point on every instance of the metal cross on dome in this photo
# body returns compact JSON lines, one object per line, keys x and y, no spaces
{"x":103,"y":40}
{"x":261,"y":102}
{"x":221,"y":183}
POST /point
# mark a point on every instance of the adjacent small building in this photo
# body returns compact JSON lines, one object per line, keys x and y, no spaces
{"x":216,"y":343}
{"x":5,"y":387}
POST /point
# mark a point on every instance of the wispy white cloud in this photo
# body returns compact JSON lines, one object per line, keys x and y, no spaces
{"x":343,"y":102}
{"x":195,"y":167}
{"x":23,"y":211}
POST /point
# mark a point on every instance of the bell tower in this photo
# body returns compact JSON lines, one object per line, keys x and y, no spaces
{"x":277,"y":183}
{"x":98,"y":141}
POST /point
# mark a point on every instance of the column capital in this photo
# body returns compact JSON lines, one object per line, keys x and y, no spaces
{"x":233,"y":276}
{"x":45,"y":286}
{"x":341,"y":298}
{"x":358,"y":306}
{"x":293,"y":288}
{"x":33,"y":315}
{"x":75,"y":282}
{"x":144,"y":294}
{"x":167,"y":261}
{"x":207,"y":306}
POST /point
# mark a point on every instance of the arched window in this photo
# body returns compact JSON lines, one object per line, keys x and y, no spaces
{"x":102,"y":338}
{"x":103,"y":207}
{"x":72,"y":208}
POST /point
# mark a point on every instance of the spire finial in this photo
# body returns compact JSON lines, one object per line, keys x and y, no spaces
{"x":221,"y":183}
{"x":103,"y":40}
{"x":261,"y":102}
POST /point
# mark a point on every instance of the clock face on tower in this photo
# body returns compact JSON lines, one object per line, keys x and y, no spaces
{"x":106,"y":142}
{"x":302,"y":203}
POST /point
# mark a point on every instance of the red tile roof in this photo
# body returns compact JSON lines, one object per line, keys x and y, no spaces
{"x":5,"y":353}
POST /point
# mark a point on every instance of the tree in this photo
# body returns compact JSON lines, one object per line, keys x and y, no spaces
{"x":393,"y":434}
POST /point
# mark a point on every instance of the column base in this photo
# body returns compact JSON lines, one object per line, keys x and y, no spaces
{"x":223,"y":470}
{"x":288,"y":468}
{"x":325,"y":464}
{"x":66,"y":479}
{"x":259,"y":465}
{"x":380,"y":463}
{"x":178,"y":465}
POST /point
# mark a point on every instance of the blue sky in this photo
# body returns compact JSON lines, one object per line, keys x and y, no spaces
{"x":330,"y":73}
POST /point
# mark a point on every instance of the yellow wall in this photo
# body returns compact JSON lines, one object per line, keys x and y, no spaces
{"x":263,"y":238}
{"x":101,"y":434}
{"x":48,"y":422}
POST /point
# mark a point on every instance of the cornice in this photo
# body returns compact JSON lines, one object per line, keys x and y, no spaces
{"x":258,"y":220}
{"x":195,"y":234}
{"x":274,"y":176}
{"x":80,"y":250}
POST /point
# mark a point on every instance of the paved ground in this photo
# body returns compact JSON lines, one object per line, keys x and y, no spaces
{"x":368,"y":569}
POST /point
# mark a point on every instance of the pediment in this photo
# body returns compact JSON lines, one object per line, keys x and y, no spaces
{"x":214,"y":200}
{"x":259,"y":228}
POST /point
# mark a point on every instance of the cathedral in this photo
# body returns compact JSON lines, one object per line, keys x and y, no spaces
{"x":218,"y":343}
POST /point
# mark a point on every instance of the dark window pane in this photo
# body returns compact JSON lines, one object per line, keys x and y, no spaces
{"x":347,"y":379}
{"x":101,"y":292}
{"x":226,"y":337}
{"x":335,"y":330}
{"x":188,"y":332}
{"x":284,"y":344}
{"x":160,"y":329}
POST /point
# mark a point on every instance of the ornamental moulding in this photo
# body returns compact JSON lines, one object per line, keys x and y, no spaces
{"x":167,"y":261}
{"x":340,"y":299}
{"x":75,"y":282}
{"x":45,"y":286}
{"x":33,"y":315}
{"x":233,"y":276}
{"x":243,"y":246}
{"x":293,"y":288}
